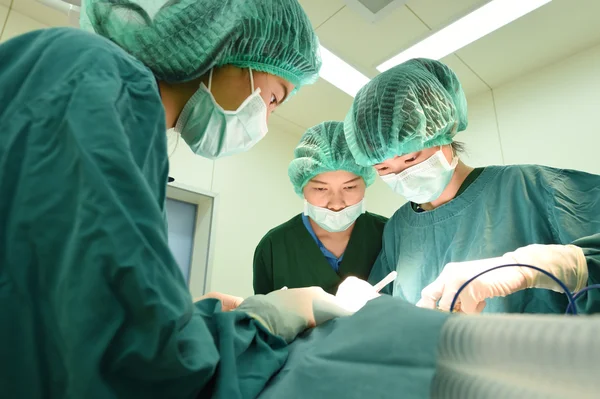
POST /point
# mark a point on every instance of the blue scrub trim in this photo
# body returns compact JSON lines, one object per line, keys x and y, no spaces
{"x":333,"y":260}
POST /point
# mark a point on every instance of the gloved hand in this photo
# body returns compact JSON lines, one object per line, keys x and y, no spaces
{"x":287,"y":313}
{"x":566,"y":262}
{"x":228,"y":302}
{"x":354,"y":293}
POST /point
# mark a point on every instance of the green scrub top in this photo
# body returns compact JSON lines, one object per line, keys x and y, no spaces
{"x":504,"y":208}
{"x":92,"y":303}
{"x":289,"y":256}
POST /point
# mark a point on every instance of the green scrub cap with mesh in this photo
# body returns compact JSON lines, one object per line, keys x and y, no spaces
{"x":416,"y":105}
{"x":181,"y":40}
{"x":323,"y":148}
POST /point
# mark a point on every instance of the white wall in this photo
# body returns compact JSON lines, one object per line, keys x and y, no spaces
{"x":13,"y":23}
{"x":548,"y":117}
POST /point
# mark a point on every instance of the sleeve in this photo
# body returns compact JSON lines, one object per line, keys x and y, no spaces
{"x":263,"y":267}
{"x":384,"y":264}
{"x":574,"y":206}
{"x":92,"y":165}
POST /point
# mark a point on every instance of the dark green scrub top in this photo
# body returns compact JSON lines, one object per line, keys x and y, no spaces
{"x":289,"y":256}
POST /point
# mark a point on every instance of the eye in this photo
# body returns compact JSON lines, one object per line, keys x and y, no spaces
{"x":410,"y":159}
{"x":274,"y":100}
{"x":319,"y":189}
{"x":350,"y":187}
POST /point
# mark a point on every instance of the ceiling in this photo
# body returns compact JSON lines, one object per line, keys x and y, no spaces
{"x":545,"y":36}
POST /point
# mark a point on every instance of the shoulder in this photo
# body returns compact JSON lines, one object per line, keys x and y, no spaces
{"x":72,"y":52}
{"x":399,"y":214}
{"x":43,"y":64}
{"x":540,"y":174}
{"x":375,"y":219}
{"x":284,"y":229}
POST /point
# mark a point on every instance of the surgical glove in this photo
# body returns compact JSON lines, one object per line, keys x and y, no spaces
{"x":287,"y":313}
{"x":354,"y":293}
{"x":566,"y":262}
{"x":228,"y":302}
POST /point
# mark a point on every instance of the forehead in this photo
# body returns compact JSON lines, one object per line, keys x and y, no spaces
{"x":338,"y":176}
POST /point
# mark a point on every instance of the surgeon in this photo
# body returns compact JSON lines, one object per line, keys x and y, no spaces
{"x":460,"y":221}
{"x":335,"y":237}
{"x":92,"y":301}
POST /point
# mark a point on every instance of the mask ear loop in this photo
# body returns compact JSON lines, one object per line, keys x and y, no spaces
{"x":210,"y":79}
{"x":251,"y":81}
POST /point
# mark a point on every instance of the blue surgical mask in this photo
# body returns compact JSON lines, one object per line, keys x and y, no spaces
{"x":334,"y":222}
{"x":212,"y":132}
{"x":423,"y":182}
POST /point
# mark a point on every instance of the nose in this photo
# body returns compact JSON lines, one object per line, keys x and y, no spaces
{"x":336,"y":203}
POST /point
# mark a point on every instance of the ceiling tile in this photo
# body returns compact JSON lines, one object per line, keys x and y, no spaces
{"x":439,"y":13}
{"x":40,"y":12}
{"x":315,"y":104}
{"x":280,"y":124}
{"x":365,"y":45}
{"x":470,"y":82}
{"x":3,"y":15}
{"x":547,"y":35}
{"x":319,"y":11}
{"x":17,"y":24}
{"x":481,"y":138}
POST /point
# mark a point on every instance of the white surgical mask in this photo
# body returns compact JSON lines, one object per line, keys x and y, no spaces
{"x":423,"y":182}
{"x":212,"y":132}
{"x":334,"y":222}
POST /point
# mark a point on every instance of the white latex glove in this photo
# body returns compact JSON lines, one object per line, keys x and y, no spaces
{"x":566,"y":262}
{"x":289,"y":312}
{"x":228,"y":302}
{"x":354,"y":293}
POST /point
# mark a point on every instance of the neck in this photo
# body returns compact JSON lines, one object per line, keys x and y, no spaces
{"x":323,"y":234}
{"x":170,"y":103}
{"x":458,"y":178}
{"x":175,"y":96}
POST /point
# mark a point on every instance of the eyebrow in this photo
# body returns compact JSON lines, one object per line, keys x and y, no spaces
{"x":349,"y":181}
{"x":285,"y":92}
{"x":353,"y":180}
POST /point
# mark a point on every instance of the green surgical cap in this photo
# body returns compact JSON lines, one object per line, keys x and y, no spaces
{"x":323,"y":148}
{"x":416,"y":105}
{"x":181,"y":40}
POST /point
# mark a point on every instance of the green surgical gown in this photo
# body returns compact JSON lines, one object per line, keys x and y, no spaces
{"x":505,"y":208}
{"x":92,"y":303}
{"x":289,"y":256}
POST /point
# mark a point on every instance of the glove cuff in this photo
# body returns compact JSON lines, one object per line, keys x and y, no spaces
{"x":565,"y":262}
{"x":287,"y":326}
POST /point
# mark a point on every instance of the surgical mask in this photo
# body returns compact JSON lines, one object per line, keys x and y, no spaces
{"x":334,"y":222}
{"x":423,"y":182}
{"x":212,"y":132}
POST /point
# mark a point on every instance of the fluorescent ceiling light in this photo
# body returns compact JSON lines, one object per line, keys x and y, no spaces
{"x":340,"y":74}
{"x":466,"y":30}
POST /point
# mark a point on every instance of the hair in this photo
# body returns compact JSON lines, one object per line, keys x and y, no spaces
{"x":458,"y":147}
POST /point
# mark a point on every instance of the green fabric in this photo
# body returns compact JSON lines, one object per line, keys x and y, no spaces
{"x":180,"y":40}
{"x":288,"y":256}
{"x":505,"y":208}
{"x":92,"y":302}
{"x":471,"y":177}
{"x":323,"y":148}
{"x":388,"y":349}
{"x":415,"y":105}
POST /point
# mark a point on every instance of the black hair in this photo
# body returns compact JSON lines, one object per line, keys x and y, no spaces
{"x":458,"y":147}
